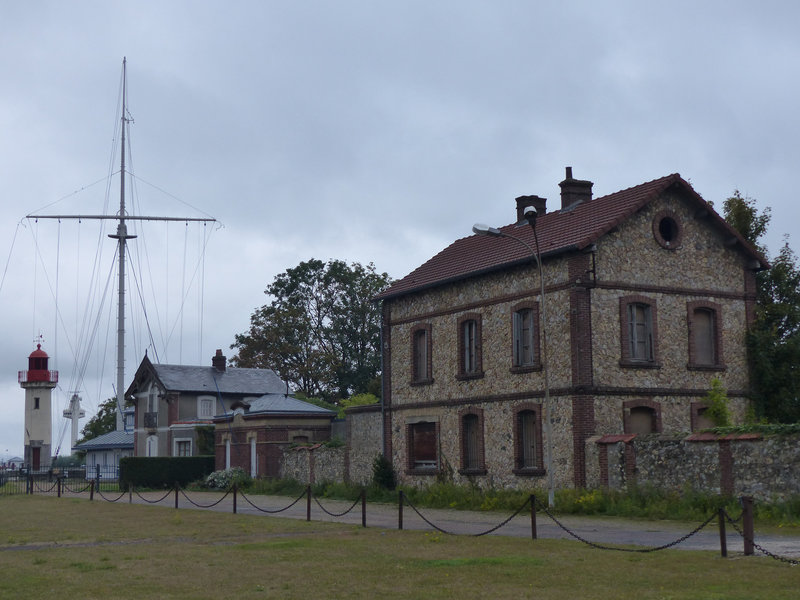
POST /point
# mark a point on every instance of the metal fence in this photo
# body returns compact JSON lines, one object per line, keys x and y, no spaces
{"x":28,"y":481}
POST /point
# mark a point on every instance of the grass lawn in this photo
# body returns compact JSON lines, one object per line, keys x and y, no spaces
{"x":73,"y":548}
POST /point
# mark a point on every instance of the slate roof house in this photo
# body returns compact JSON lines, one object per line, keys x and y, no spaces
{"x":648,"y":295}
{"x":104,"y":452}
{"x":172,"y":403}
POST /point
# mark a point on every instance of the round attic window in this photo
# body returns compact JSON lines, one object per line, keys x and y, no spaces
{"x":667,"y":230}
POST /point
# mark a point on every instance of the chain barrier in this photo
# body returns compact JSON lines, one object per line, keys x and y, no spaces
{"x":758,"y":547}
{"x":164,"y":497}
{"x":731,"y":520}
{"x":508,"y":520}
{"x":341,"y":514}
{"x":66,"y":488}
{"x":193,"y":503}
{"x":640,"y":550}
{"x":41,"y":489}
{"x":264,"y":510}
{"x":103,"y":496}
{"x":439,"y":529}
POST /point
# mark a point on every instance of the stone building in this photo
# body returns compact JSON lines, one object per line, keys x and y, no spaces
{"x":648,"y":295}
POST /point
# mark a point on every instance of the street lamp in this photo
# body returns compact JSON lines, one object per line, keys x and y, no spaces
{"x":530,"y":214}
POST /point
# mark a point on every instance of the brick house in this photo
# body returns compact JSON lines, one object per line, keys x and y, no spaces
{"x":256,"y":433}
{"x":648,"y":293}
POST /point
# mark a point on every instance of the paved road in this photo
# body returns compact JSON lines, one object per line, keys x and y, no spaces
{"x":598,"y":530}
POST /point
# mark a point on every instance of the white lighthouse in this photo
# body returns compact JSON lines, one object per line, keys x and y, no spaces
{"x":38,"y":383}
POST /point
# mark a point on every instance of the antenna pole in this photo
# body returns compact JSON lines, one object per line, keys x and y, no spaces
{"x":121,"y":237}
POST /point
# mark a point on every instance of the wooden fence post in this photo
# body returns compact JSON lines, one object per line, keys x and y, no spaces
{"x":176,"y":494}
{"x":308,"y":502}
{"x":235,"y":489}
{"x":723,"y":539}
{"x":533,"y":517}
{"x":91,"y":490}
{"x":363,"y":507}
{"x":747,"y":525}
{"x":400,"y":510}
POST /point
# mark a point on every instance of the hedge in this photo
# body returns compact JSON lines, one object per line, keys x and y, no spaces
{"x":163,"y":471}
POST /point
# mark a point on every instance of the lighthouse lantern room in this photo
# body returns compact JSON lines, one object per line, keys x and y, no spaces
{"x":38,"y":382}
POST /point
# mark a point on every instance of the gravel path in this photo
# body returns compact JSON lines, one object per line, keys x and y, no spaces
{"x":598,"y":530}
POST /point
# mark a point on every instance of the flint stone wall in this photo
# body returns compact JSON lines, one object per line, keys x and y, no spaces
{"x":766,"y":468}
{"x":351,"y":463}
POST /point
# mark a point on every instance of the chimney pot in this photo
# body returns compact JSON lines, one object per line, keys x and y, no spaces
{"x":574,"y":191}
{"x":218,"y":361}
{"x":523,"y":202}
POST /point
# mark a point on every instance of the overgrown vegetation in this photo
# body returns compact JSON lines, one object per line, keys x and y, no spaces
{"x":717,"y":402}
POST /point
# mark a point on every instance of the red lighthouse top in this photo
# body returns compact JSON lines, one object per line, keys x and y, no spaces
{"x":37,"y":368}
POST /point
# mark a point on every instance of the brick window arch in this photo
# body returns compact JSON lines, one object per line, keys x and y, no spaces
{"x":473,"y":459}
{"x":421,"y":354}
{"x":667,"y":229}
{"x":422,"y":439}
{"x":698,"y":418}
{"x":470,"y":354}
{"x":641,"y":416}
{"x":528,"y":443}
{"x":525,"y":350}
{"x":638,"y":319}
{"x":704,"y":320}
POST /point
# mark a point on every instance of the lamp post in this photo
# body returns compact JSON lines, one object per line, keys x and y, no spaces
{"x":530,"y":215}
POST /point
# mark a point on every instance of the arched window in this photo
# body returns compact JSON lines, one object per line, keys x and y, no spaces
{"x":472,"y":452}
{"x":642,"y":416}
{"x":705,"y":336}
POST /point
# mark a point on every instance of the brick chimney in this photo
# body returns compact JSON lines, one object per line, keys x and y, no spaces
{"x":574,"y":191}
{"x":523,"y":202}
{"x":218,"y":361}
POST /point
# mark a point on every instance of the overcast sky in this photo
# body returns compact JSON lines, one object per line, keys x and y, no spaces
{"x":362,"y":131}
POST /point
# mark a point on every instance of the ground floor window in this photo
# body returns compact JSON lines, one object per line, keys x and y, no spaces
{"x":423,"y":446}
{"x":472,"y":453}
{"x":528,"y":454}
{"x":183,"y":447}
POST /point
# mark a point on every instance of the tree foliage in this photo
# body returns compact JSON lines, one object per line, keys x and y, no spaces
{"x":774,"y":339}
{"x":105,"y":421}
{"x":320,"y":331}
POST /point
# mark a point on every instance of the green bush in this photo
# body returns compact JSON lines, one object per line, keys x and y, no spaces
{"x":383,"y":474}
{"x":717,"y":402}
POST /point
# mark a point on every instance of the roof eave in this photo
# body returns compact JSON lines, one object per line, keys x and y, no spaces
{"x":478,"y":273}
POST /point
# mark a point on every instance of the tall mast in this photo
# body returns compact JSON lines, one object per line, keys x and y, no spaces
{"x":121,"y":237}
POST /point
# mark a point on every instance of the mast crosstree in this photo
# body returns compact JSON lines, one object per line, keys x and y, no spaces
{"x":122,"y":236}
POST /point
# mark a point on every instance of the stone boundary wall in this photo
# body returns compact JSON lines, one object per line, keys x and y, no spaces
{"x":765,"y":467}
{"x":351,"y":463}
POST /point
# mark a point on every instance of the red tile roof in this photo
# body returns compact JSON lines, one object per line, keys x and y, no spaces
{"x":559,"y":231}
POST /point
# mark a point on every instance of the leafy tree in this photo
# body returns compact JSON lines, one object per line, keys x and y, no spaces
{"x":773,"y":341}
{"x":105,"y":421}
{"x":356,"y":400}
{"x":321,"y":330}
